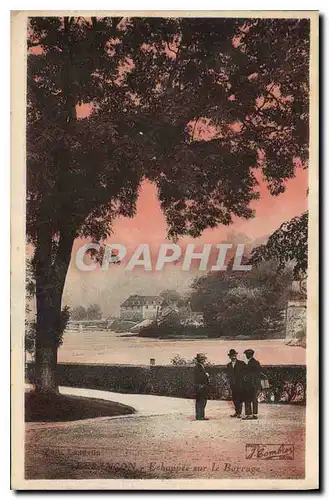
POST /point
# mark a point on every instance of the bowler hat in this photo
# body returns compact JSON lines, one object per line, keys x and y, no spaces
{"x":201,"y":355}
{"x":249,"y":351}
{"x":232,"y":352}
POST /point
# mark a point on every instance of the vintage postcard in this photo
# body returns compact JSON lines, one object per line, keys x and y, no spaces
{"x":165,"y":250}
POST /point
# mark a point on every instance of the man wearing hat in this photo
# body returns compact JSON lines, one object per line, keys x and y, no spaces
{"x":252,"y":385}
{"x":201,"y":383}
{"x":236,"y":370}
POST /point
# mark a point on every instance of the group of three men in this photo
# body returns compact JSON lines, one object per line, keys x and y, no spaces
{"x":245,"y":383}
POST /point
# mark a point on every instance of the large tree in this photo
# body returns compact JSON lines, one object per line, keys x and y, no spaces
{"x":194,"y":105}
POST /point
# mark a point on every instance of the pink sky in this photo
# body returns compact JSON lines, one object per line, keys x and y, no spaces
{"x":112,"y":287}
{"x":149,"y":225}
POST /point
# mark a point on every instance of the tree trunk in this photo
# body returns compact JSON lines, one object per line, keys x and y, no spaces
{"x":45,"y":368}
{"x":50,"y":280}
{"x":48,"y":316}
{"x":50,"y":271}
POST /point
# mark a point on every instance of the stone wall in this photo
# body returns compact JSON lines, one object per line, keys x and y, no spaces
{"x":296,"y":318}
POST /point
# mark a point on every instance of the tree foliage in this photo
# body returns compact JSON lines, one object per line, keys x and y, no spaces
{"x":81,"y":313}
{"x":243,"y":303}
{"x":29,"y":341}
{"x":172,"y":297}
{"x":78,"y":313}
{"x":288,"y":245}
{"x":151,"y":80}
{"x":31,"y":328}
{"x":94,"y":312}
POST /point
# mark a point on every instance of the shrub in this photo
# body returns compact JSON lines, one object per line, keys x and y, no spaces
{"x":167,"y":330}
{"x":178,"y":360}
{"x":287,"y":383}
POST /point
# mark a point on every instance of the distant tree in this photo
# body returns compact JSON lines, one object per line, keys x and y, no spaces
{"x":94,"y":312}
{"x":157,"y":86}
{"x":242,"y":303}
{"x":172,"y":296}
{"x":78,"y":313}
{"x":288,"y":245}
{"x":249,"y":311}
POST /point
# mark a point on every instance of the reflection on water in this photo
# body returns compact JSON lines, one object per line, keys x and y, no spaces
{"x":111,"y":347}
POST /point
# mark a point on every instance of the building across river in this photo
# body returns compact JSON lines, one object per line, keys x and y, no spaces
{"x":139,"y":307}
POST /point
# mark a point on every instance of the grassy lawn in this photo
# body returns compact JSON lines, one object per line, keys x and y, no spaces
{"x":64,"y":408}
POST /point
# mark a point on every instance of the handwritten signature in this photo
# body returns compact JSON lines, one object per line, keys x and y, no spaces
{"x":257,"y":451}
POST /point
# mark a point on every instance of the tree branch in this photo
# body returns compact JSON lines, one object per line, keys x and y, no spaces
{"x":33,"y":44}
{"x":195,"y":123}
{"x":172,"y":50}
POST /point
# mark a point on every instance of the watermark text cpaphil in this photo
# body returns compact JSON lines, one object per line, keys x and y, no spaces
{"x":167,"y":253}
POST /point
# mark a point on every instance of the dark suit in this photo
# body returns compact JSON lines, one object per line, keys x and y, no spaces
{"x":236,"y":379}
{"x":201,"y":384}
{"x":252,"y":386}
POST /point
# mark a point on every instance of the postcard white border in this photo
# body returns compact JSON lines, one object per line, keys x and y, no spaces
{"x":18,"y":147}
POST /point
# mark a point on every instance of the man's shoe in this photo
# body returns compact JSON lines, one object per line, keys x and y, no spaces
{"x":204,"y":418}
{"x":255,"y":417}
{"x":247,"y":417}
{"x":234,"y":416}
{"x":238,"y":416}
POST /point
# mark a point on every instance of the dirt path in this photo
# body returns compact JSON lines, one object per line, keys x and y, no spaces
{"x":162,"y":440}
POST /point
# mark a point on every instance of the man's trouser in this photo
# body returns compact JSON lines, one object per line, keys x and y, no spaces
{"x":237,"y":399}
{"x":200,"y":404}
{"x":251,"y":402}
